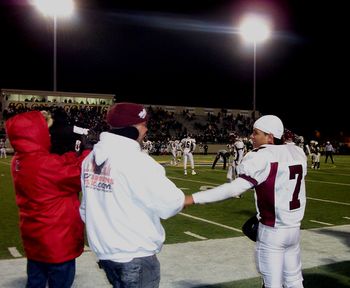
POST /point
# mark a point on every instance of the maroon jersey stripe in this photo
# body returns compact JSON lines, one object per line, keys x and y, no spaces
{"x":266,"y":197}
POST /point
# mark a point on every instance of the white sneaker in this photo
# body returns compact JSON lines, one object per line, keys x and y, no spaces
{"x":194,"y":172}
{"x":185,"y":173}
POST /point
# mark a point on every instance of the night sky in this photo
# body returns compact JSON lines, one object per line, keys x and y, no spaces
{"x":189,"y":53}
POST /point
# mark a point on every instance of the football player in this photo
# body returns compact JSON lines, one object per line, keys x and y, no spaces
{"x":237,"y":151}
{"x":277,"y":173}
{"x":188,"y":145}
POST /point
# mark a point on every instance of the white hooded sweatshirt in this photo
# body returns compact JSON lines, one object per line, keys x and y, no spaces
{"x":125,"y":194}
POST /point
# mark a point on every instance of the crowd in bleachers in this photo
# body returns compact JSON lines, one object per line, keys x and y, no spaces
{"x":163,"y":125}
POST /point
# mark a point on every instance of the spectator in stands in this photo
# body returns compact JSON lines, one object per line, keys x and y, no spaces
{"x":125,"y":194}
{"x":47,"y":194}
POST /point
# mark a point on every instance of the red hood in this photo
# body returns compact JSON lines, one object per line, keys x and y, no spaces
{"x":28,"y":132}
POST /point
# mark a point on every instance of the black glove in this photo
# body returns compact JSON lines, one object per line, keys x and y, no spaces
{"x":88,"y":141}
{"x":250,"y":228}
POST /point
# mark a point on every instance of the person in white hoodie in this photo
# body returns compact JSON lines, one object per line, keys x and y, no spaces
{"x":125,"y":194}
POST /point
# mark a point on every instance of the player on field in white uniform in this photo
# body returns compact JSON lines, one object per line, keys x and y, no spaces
{"x":172,"y":149}
{"x":2,"y":149}
{"x":188,"y":145}
{"x":237,"y":150}
{"x":301,"y":143}
{"x":277,"y":173}
{"x":316,"y":156}
{"x":146,"y":146}
{"x":178,"y":150}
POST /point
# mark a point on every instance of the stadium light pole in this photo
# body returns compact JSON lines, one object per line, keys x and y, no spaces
{"x":55,"y":9}
{"x":255,"y":29}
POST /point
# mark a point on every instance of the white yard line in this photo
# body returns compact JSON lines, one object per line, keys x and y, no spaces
{"x":328,"y":173}
{"x":194,"y":181}
{"x":211,"y":222}
{"x":346,"y":217}
{"x":326,"y":182}
{"x":14,"y":252}
{"x":323,"y":223}
{"x":329,"y":201}
{"x":195,"y":235}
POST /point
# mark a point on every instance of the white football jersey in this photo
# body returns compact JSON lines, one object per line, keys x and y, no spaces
{"x":188,"y":144}
{"x":278,"y":175}
{"x":239,"y":147}
{"x":172,"y":144}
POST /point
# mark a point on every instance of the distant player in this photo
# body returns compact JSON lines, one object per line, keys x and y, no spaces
{"x":222,"y":155}
{"x":146,"y":146}
{"x":2,"y":149}
{"x":316,"y":150}
{"x":237,"y":151}
{"x":188,"y":146}
{"x":313,"y":152}
{"x":301,"y":143}
{"x":172,"y":146}
{"x":178,"y":150}
{"x":329,"y":151}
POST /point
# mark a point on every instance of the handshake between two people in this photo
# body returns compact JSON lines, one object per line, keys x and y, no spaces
{"x":188,"y":201}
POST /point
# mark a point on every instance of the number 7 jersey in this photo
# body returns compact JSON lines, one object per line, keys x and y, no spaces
{"x":278,"y":175}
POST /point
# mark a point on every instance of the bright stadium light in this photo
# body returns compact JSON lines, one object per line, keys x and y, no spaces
{"x":255,"y":29}
{"x":54,"y":9}
{"x":58,"y":8}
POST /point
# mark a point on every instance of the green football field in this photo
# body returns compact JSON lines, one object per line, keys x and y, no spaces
{"x":327,"y":194}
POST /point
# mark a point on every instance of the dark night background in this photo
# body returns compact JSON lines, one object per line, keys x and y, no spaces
{"x":185,"y":53}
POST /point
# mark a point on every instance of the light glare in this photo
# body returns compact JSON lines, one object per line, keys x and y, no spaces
{"x":255,"y":29}
{"x":55,"y":7}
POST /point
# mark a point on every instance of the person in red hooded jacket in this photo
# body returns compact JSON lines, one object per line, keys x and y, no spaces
{"x":47,"y":189}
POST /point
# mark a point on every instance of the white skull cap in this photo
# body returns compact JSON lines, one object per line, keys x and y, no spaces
{"x":270,"y":124}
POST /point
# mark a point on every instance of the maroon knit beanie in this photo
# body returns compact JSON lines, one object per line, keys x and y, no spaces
{"x":126,"y":114}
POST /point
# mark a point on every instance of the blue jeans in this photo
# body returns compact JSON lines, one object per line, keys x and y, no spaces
{"x":57,"y":275}
{"x":143,"y":272}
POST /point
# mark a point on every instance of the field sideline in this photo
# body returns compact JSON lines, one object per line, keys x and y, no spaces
{"x":327,"y":206}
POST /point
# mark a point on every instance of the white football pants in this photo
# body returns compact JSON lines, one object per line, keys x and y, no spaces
{"x":188,"y":155}
{"x":277,"y":255}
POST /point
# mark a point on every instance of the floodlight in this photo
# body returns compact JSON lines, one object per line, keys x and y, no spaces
{"x":55,"y":7}
{"x":255,"y":28}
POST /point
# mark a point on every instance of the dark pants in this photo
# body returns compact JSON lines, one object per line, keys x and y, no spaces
{"x":57,"y":275}
{"x":217,"y":157}
{"x":143,"y":272}
{"x":330,"y":155}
